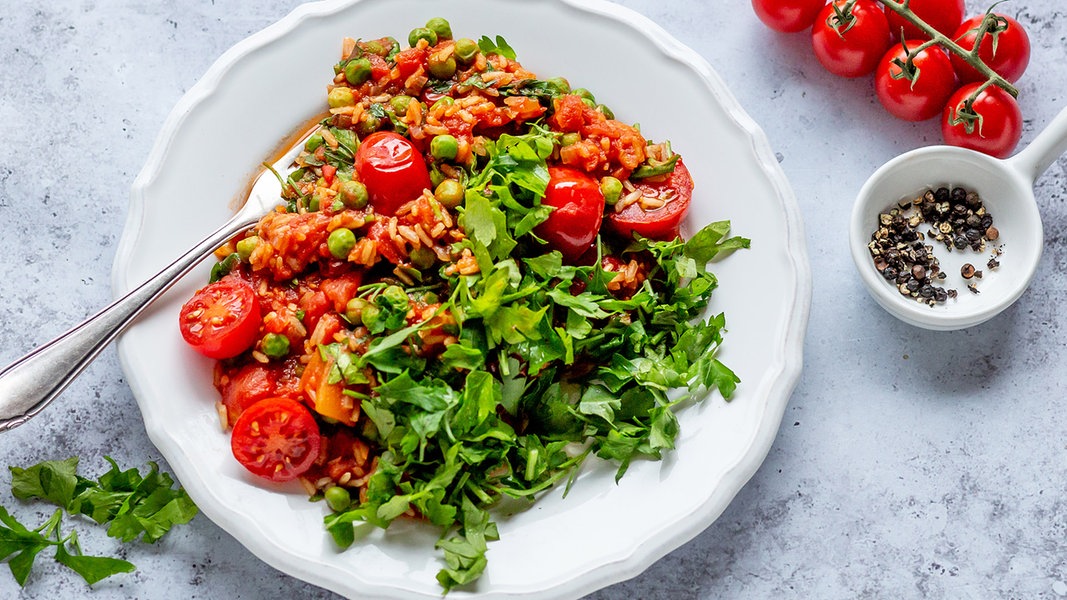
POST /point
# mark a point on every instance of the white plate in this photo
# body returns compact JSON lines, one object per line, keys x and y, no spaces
{"x":265,"y":87}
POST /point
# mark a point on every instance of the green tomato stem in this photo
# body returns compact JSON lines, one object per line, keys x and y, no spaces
{"x":901,"y":8}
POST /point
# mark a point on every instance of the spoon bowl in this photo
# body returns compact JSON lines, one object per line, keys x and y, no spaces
{"x":1006,"y":190}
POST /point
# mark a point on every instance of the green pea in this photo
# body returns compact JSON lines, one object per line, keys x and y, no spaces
{"x":449,"y":193}
{"x":354,"y":310}
{"x":368,"y":124}
{"x":443,"y":101}
{"x":444,"y":147}
{"x":315,"y":202}
{"x":584,"y":93}
{"x":395,"y":295}
{"x":354,"y":194}
{"x":422,"y":33}
{"x":441,"y":68}
{"x":604,"y":110}
{"x":569,"y":139}
{"x":589,"y":103}
{"x":338,"y":498}
{"x":400,"y":104}
{"x":441,"y":27}
{"x":430,"y":298}
{"x":370,"y":315}
{"x":357,"y":71}
{"x":374,"y":47}
{"x":612,"y":190}
{"x":466,"y":49}
{"x":246,"y":246}
{"x":275,"y":345}
{"x":422,"y":257}
{"x":341,"y":242}
{"x":313,"y":142}
{"x":559,"y":85}
{"x":340,"y":96}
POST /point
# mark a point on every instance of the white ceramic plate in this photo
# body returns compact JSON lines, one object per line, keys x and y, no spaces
{"x":264,"y":88}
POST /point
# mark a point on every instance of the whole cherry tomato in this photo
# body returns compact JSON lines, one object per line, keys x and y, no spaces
{"x":578,"y":212}
{"x":659,"y":223}
{"x":921,"y":97}
{"x":1005,"y":48}
{"x":851,"y":44}
{"x":276,"y":438}
{"x":942,"y":15}
{"x":787,"y":16}
{"x":222,"y":319}
{"x":995,"y":126}
{"x":392,"y":169}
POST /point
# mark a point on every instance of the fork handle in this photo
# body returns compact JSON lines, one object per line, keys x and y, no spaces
{"x":29,"y":384}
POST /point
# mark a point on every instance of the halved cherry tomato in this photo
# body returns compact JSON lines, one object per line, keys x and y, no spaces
{"x":1006,"y":51}
{"x":850,"y":48}
{"x":942,"y":15}
{"x":276,"y":438}
{"x":392,"y":169}
{"x":578,"y":212}
{"x":923,"y":98}
{"x":222,"y":319}
{"x":660,"y":223}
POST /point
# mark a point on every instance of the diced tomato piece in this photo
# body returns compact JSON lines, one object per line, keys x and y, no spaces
{"x":246,"y":386}
{"x":328,"y":399}
{"x":342,"y":288}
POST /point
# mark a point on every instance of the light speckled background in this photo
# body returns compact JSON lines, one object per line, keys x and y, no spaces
{"x":909,"y":463}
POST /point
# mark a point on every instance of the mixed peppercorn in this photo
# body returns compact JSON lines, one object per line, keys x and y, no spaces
{"x":957,"y":219}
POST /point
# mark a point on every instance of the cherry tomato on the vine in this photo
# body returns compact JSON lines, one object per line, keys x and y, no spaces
{"x":850,"y":45}
{"x":787,"y":16}
{"x":921,"y":96}
{"x":1005,"y":49}
{"x":222,"y":319}
{"x":660,"y":223}
{"x":276,"y":438}
{"x":578,"y":210}
{"x":392,"y":169}
{"x":995,"y":128}
{"x":942,"y":15}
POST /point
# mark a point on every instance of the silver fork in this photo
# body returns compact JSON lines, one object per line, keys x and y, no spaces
{"x":29,"y":384}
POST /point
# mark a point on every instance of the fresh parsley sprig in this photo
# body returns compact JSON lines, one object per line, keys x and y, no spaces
{"x":133,"y":505}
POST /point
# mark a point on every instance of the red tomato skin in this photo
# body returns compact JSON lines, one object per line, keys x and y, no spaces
{"x":855,"y":52}
{"x":663,"y":223}
{"x":276,"y":438}
{"x":1000,"y":128}
{"x":222,"y":319}
{"x":578,"y":212}
{"x":392,"y":169}
{"x":943,"y":15}
{"x":922,"y":99}
{"x":246,"y":386}
{"x":787,"y":16}
{"x":1010,"y":59}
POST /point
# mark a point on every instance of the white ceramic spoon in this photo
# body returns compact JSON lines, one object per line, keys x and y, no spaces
{"x":29,"y":384}
{"x":1006,"y":189}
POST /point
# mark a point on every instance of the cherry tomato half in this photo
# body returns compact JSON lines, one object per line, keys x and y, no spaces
{"x":850,"y":49}
{"x":1005,"y":51}
{"x":995,"y":132}
{"x":392,"y":169}
{"x":923,"y":98}
{"x":578,"y":212}
{"x":787,"y":16}
{"x":660,"y":223}
{"x":247,"y":386}
{"x":222,"y":319}
{"x":276,"y":438}
{"x":942,"y":15}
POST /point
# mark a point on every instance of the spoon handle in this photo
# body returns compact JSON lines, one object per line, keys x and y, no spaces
{"x":1036,"y":158}
{"x":29,"y":384}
